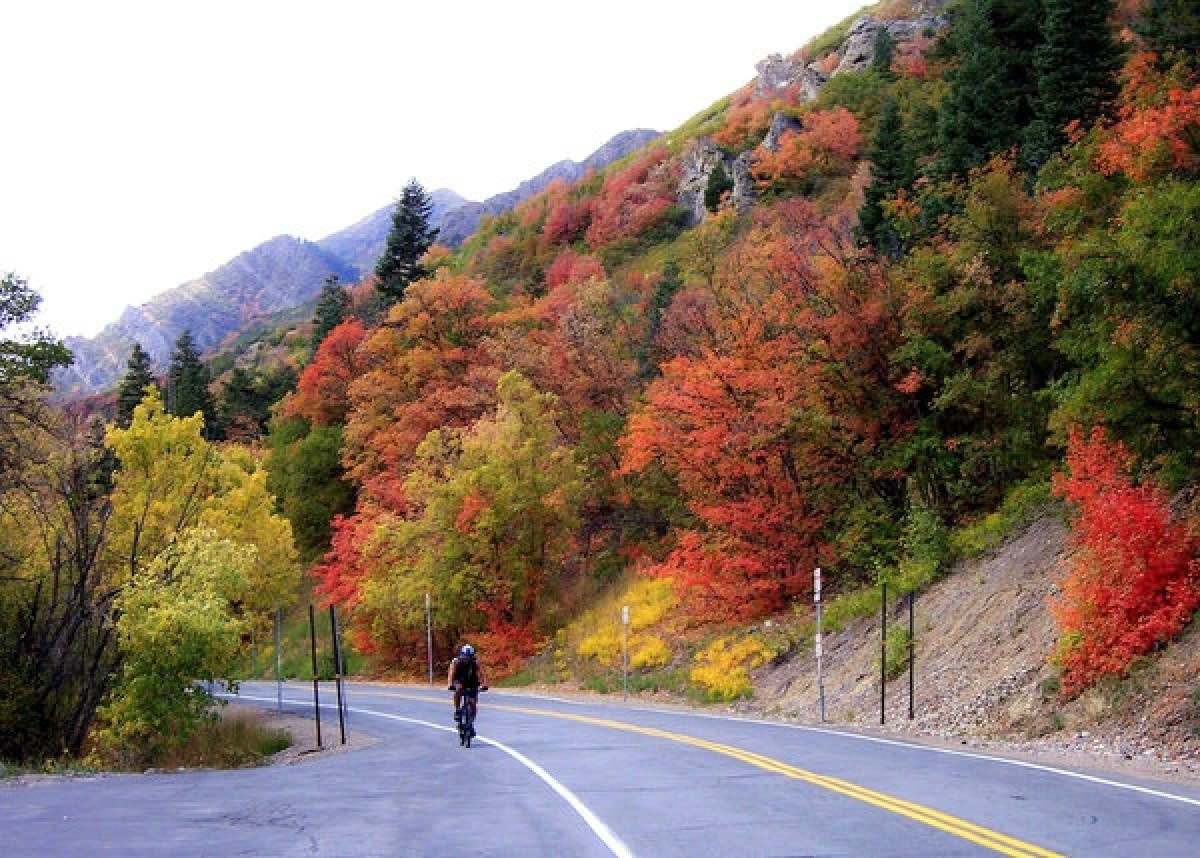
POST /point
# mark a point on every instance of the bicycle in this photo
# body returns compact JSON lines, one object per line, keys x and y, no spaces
{"x":466,"y":714}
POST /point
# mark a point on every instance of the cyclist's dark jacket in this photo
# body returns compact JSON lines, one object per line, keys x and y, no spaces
{"x":466,"y":671}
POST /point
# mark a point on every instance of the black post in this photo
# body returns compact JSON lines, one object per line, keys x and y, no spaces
{"x":337,"y":669}
{"x":912,"y":595}
{"x":882,"y":651}
{"x":312,"y":636}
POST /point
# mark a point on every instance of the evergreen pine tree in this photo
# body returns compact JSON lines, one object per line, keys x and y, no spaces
{"x":409,"y":238}
{"x":892,"y":168}
{"x":990,"y":100}
{"x":1076,"y":69}
{"x":187,"y":385}
{"x":331,"y":311}
{"x":719,"y":183}
{"x":1171,"y":29}
{"x":133,"y":385}
{"x":884,"y":53}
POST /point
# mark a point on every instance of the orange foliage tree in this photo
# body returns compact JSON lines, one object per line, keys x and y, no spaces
{"x":742,"y":421}
{"x":425,"y":368}
{"x":1158,"y":128}
{"x":322,"y":390}
{"x":1134,"y":581}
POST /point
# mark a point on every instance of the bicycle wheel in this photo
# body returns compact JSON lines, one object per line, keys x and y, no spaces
{"x":468,"y":724}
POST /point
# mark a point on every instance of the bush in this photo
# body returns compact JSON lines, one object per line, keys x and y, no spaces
{"x":722,"y":669}
{"x":1134,"y":583}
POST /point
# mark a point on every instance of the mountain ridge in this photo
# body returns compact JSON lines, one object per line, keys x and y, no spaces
{"x":285,"y":272}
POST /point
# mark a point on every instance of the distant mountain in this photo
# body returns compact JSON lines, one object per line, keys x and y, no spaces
{"x":287,"y":272}
{"x":461,"y":222}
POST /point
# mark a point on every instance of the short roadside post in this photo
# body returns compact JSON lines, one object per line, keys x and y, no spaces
{"x":625,"y":654}
{"x":820,"y":653}
{"x":429,"y":636}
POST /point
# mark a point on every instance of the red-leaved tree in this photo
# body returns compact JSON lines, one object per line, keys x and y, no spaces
{"x":1134,"y":580}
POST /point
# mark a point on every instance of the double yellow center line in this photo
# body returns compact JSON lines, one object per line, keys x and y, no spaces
{"x":985,"y":837}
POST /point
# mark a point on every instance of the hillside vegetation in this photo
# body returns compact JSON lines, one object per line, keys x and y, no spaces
{"x":910,"y":288}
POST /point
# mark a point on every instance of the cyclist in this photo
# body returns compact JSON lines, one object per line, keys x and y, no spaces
{"x":465,"y":678}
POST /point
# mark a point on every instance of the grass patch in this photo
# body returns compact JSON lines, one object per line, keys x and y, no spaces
{"x":235,"y":738}
{"x":1023,"y":503}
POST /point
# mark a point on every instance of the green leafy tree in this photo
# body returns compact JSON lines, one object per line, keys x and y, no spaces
{"x":31,"y":356}
{"x":133,"y":385}
{"x":177,"y":626}
{"x":410,"y":236}
{"x":247,"y":397}
{"x":1075,"y":68}
{"x":187,"y":385}
{"x":306,"y":475}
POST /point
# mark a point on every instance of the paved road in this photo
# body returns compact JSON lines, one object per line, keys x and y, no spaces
{"x":554,"y":777}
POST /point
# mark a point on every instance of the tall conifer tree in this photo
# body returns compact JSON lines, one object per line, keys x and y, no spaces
{"x":892,"y":168}
{"x":133,"y":385}
{"x":990,"y":101}
{"x":409,"y":238}
{"x":1076,"y":68}
{"x":331,"y":311}
{"x":187,"y":385}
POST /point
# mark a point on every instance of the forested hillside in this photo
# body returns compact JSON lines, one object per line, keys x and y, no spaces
{"x":938,"y":250}
{"x":867,"y":313}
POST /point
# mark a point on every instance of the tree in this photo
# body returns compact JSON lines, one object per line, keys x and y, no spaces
{"x":989,"y":102}
{"x":187,"y":385}
{"x":892,"y":170}
{"x":885,"y":52}
{"x":306,"y":475}
{"x":247,"y":398}
{"x":1075,"y":68}
{"x":1171,"y":29}
{"x":132,"y":389}
{"x":410,"y":236}
{"x":332,"y":308}
{"x":32,"y":356}
{"x":58,"y":649}
{"x":719,"y":184}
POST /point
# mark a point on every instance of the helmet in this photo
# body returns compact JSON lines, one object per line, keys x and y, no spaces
{"x":468,"y":650}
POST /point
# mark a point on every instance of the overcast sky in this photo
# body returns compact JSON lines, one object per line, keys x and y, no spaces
{"x":147,"y":143}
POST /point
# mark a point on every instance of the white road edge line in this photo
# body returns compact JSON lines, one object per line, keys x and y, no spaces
{"x":606,"y":834}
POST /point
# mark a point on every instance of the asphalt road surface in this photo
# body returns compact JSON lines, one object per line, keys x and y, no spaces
{"x":552,"y":777}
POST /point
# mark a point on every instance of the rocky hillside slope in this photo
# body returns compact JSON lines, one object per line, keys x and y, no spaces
{"x":984,"y":635}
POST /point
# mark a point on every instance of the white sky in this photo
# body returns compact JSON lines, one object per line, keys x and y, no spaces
{"x":147,"y":143}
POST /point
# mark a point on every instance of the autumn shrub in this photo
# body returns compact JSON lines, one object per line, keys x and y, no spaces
{"x":722,"y":669}
{"x":649,"y":651}
{"x":650,"y":601}
{"x":1134,"y":579}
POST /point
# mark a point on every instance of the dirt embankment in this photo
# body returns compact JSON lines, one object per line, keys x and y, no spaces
{"x":983,"y":638}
